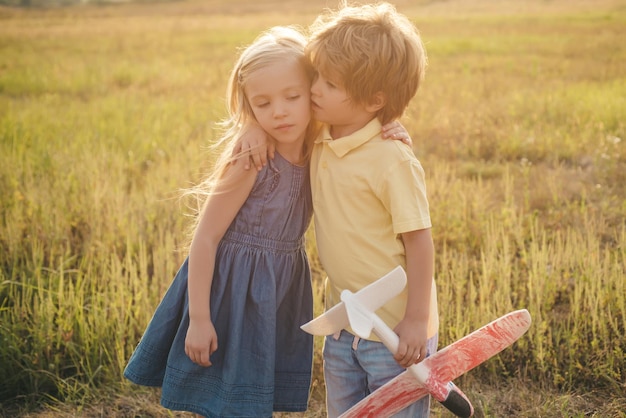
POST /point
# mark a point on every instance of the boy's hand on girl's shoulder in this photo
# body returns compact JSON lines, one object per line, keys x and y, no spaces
{"x":413,"y":340}
{"x":396,"y":131}
{"x":254,"y":146}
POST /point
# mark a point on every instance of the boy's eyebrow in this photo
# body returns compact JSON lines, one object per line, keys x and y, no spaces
{"x":330,"y":77}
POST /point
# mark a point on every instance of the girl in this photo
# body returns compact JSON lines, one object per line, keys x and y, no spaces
{"x":225,"y":340}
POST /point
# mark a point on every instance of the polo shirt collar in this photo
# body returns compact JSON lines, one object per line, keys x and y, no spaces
{"x":342,"y":146}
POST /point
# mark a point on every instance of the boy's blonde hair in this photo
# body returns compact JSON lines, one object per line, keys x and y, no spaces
{"x":370,"y":49}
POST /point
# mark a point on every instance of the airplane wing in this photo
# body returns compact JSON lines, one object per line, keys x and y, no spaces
{"x":444,"y":366}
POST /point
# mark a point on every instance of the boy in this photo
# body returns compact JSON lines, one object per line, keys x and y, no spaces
{"x":370,"y":206}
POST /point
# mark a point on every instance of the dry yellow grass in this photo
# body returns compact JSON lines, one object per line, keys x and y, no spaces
{"x":105,"y":113}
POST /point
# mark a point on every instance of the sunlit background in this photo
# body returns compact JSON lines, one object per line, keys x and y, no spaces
{"x":107,"y":110}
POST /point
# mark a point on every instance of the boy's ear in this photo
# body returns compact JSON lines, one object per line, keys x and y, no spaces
{"x":377,"y":102}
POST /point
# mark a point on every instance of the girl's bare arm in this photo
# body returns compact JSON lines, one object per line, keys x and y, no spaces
{"x":218,"y":213}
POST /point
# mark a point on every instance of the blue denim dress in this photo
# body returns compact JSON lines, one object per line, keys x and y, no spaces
{"x":260,"y":295}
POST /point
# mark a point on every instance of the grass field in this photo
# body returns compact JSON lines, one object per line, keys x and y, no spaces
{"x":107,"y":112}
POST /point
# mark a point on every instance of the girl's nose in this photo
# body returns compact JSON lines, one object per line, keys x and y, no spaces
{"x":280,"y":110}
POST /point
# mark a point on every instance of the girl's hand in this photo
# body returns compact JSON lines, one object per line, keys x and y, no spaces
{"x":254,"y":144}
{"x":413,"y":340}
{"x":395,"y":130}
{"x":201,"y":341}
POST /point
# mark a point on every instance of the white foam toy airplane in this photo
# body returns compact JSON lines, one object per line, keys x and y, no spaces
{"x":432,"y":375}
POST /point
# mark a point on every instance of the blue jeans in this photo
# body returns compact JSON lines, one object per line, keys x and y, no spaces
{"x":354,"y":368}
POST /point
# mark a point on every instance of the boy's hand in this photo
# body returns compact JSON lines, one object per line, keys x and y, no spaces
{"x":201,"y":341}
{"x":395,"y":130}
{"x":253,"y":144}
{"x":413,"y":339}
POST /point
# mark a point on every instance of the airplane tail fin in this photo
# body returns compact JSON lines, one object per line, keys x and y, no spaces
{"x":371,"y":297}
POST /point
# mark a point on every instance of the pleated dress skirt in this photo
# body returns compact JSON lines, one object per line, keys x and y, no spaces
{"x":260,"y":296}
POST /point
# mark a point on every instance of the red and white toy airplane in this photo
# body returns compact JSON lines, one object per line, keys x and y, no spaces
{"x":433,"y":374}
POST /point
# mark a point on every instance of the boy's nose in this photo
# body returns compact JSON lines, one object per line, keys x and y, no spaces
{"x":314,"y":89}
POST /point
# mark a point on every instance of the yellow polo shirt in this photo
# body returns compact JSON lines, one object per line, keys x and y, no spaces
{"x":366,"y":192}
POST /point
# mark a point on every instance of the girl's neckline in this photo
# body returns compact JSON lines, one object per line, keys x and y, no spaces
{"x":299,"y":164}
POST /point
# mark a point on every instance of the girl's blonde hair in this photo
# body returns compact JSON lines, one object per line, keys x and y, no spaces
{"x":276,"y":45}
{"x":369,"y":49}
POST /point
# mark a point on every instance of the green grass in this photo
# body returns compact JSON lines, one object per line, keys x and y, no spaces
{"x":107,"y":112}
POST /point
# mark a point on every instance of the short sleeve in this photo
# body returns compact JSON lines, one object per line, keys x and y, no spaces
{"x":403,"y":192}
